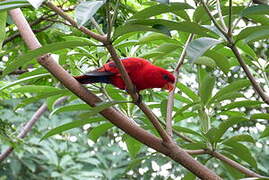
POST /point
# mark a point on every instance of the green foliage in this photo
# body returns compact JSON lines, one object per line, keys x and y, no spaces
{"x":214,"y":104}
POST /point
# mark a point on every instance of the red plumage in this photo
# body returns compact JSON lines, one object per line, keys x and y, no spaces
{"x":143,"y":74}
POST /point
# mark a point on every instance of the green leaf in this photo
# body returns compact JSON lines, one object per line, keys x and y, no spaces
{"x":163,"y":50}
{"x":36,"y":3}
{"x":220,"y":60}
{"x":24,"y":80}
{"x":20,"y":60}
{"x":42,"y":96}
{"x":133,"y":146}
{"x":204,"y":121}
{"x":198,"y":47}
{"x":12,"y":4}
{"x":69,"y":126}
{"x":149,"y":24}
{"x":34,"y":89}
{"x":251,"y":31}
{"x":98,"y":131}
{"x":186,"y":90}
{"x":3,"y":18}
{"x":186,"y":130}
{"x":260,"y":116}
{"x":203,"y":60}
{"x":68,"y":108}
{"x":232,"y":87}
{"x":265,"y":133}
{"x":244,"y":103}
{"x":246,"y":49}
{"x":226,"y":124}
{"x":184,"y":108}
{"x":206,"y":87}
{"x":255,"y":10}
{"x":242,"y":152}
{"x":161,"y":8}
{"x":85,"y":11}
{"x":241,"y":137}
{"x":102,"y":106}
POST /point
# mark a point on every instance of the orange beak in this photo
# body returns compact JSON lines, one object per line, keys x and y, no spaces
{"x":168,"y":86}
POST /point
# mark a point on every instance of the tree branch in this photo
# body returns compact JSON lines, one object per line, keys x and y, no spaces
{"x":170,"y":102}
{"x":232,"y":46}
{"x":129,"y":85}
{"x":28,"y":126}
{"x":114,"y":116}
{"x":230,"y":18}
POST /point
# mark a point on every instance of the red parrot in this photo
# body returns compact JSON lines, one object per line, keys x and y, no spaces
{"x":143,"y":74}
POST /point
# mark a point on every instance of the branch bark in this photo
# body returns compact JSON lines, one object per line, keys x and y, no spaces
{"x":170,"y":149}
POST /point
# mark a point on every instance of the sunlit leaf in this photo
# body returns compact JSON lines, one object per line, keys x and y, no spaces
{"x":3,"y":18}
{"x":255,"y":10}
{"x":85,"y":11}
{"x":198,"y":47}
{"x":68,"y":108}
{"x":133,"y":146}
{"x":69,"y":126}
{"x":98,"y":131}
{"x":159,"y":9}
{"x":20,"y":60}
{"x":265,"y":133}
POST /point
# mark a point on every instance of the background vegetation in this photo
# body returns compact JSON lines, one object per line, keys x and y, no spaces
{"x":216,"y":106}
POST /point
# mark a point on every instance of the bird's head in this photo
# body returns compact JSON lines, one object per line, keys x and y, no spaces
{"x":163,"y":79}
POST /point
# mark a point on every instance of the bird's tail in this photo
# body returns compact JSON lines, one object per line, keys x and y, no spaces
{"x":94,"y":77}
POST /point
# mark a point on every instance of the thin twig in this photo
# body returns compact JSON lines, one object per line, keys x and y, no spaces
{"x":234,"y":164}
{"x":28,"y":126}
{"x":221,"y":17}
{"x":98,"y":28}
{"x":170,"y":102}
{"x":230,"y":18}
{"x":213,"y":19}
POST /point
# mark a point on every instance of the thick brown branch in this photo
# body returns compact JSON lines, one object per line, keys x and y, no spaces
{"x":117,"y":118}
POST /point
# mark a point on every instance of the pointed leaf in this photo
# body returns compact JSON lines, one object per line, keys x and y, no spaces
{"x":244,"y":103}
{"x":203,"y":60}
{"x":24,"y":80}
{"x":234,"y":86}
{"x":34,"y":89}
{"x":206,"y":88}
{"x":69,"y":126}
{"x":3,"y":18}
{"x":256,"y":10}
{"x":241,"y":137}
{"x":185,"y":89}
{"x":98,"y":131}
{"x":161,"y":8}
{"x":85,"y":11}
{"x":198,"y":47}
{"x":68,"y":108}
{"x":221,"y":61}
{"x":133,"y":146}
{"x":265,"y":133}
{"x":35,"y":3}
{"x":260,"y":116}
{"x":20,"y":60}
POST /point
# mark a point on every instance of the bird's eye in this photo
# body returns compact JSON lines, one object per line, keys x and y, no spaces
{"x":166,"y":77}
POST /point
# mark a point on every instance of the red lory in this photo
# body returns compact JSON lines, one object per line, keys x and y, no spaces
{"x":143,"y":74}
